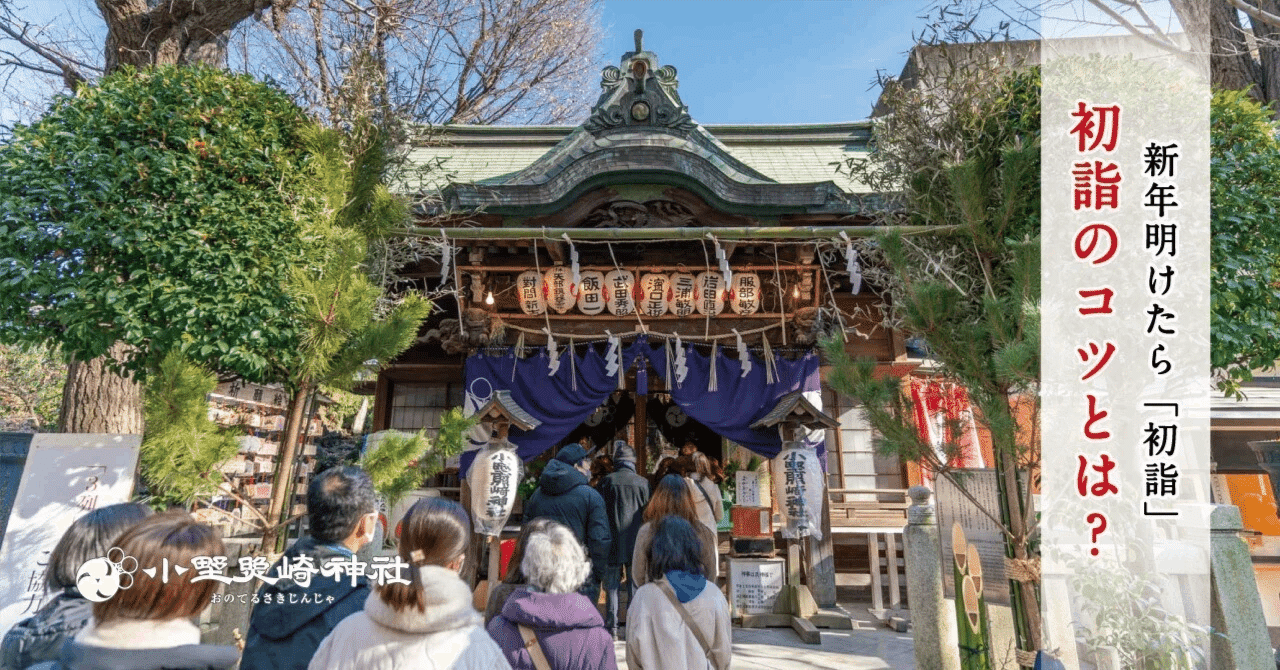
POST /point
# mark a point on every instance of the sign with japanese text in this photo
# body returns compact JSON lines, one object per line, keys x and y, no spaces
{"x":682,"y":289}
{"x":798,"y":488}
{"x":755,"y":584}
{"x":654,"y":289}
{"x":591,"y":292}
{"x":1125,"y":332}
{"x":618,"y":286}
{"x":558,"y":289}
{"x":529,"y":292}
{"x":66,"y":476}
{"x":493,"y":479}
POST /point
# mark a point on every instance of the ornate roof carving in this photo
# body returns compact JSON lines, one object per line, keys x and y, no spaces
{"x":639,"y":93}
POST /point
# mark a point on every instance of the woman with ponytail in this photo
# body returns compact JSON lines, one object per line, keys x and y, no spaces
{"x":429,"y":622}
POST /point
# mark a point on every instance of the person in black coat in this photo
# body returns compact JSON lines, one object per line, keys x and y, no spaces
{"x":625,"y":494}
{"x":292,"y":618}
{"x":564,"y":495}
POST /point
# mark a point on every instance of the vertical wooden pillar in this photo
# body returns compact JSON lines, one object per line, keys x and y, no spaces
{"x":821,"y":564}
{"x":641,"y":432}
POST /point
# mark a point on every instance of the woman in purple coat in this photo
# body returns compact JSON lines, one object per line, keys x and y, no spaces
{"x":566,"y":626}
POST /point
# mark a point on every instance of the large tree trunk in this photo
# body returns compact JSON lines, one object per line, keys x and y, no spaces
{"x":175,"y":31}
{"x":96,"y":400}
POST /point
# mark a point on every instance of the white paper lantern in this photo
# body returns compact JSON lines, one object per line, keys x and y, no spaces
{"x":559,"y":285}
{"x":682,"y":290}
{"x":797,"y":486}
{"x":529,"y":292}
{"x":618,"y":286}
{"x":746,"y":293}
{"x":591,"y":292}
{"x":493,"y":479}
{"x":709,"y":293}
{"x":653,"y":294}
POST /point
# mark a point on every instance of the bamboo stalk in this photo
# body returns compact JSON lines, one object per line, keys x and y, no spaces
{"x":691,"y":233}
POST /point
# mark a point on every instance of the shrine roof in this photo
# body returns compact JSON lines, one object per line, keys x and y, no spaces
{"x":787,"y":154}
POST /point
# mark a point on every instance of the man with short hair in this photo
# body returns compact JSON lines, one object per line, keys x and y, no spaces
{"x":564,"y":494}
{"x":292,"y":618}
{"x":625,"y":496}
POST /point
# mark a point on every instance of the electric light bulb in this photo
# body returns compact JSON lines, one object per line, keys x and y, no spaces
{"x":488,"y":299}
{"x":795,"y":292}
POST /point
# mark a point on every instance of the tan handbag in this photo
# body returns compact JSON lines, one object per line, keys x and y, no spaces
{"x":688,"y":621}
{"x":535,"y":650}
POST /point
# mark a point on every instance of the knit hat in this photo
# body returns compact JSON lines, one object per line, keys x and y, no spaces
{"x":571,"y":454}
{"x":623,"y":453}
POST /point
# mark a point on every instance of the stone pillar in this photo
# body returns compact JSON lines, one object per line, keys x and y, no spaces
{"x":1236,"y":608}
{"x":932,"y":618}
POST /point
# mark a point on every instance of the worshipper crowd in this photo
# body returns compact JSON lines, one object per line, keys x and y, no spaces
{"x":591,"y":523}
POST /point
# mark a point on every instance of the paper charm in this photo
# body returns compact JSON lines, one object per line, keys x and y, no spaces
{"x":744,"y":356}
{"x":713,"y":384}
{"x":613,"y":359}
{"x":725,"y":271}
{"x":573,"y":265}
{"x":682,"y":365}
{"x":553,"y":355}
{"x":446,"y":256}
{"x":852,"y":266}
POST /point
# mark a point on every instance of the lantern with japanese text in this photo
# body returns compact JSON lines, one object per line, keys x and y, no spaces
{"x":708,"y":294}
{"x":618,"y":285}
{"x":558,"y":289}
{"x":746,"y":293}
{"x":653,"y":294}
{"x":529,"y":292}
{"x":682,"y":289}
{"x":495,"y":474}
{"x":798,"y":480}
{"x":591,"y":292}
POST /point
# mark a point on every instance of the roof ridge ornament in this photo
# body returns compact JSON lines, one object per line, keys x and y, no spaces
{"x":639,"y":93}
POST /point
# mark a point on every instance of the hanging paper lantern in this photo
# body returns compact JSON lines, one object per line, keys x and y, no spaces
{"x":746,"y":293}
{"x":529,"y":292}
{"x":493,"y":479}
{"x":618,"y":285}
{"x":591,"y":293}
{"x":558,"y":281}
{"x":681,"y":299}
{"x":709,"y":293}
{"x":798,"y":490}
{"x":653,"y":294}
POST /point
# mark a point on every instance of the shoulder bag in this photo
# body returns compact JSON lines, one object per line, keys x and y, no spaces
{"x":688,"y":621}
{"x":535,"y":650}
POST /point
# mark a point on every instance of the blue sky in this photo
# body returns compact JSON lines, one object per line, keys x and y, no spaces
{"x":770,"y":61}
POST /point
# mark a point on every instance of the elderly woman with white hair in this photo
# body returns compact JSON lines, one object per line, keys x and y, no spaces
{"x":548,"y":616}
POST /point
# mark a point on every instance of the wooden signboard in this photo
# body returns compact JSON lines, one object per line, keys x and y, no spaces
{"x":66,"y":476}
{"x":979,"y":530}
{"x":755,"y":584}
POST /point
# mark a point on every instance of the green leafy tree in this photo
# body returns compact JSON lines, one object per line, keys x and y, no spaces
{"x":961,"y":149}
{"x":31,"y":377}
{"x":346,"y":324}
{"x":156,"y":212}
{"x":1245,"y":253}
{"x":182,"y":448}
{"x":400,"y":462}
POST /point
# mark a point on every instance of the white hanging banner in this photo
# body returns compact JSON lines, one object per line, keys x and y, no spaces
{"x":618,"y":285}
{"x":591,"y":293}
{"x":556,"y":287}
{"x":798,"y":490}
{"x":613,"y":359}
{"x":746,"y":293}
{"x":682,"y":290}
{"x":446,"y":256}
{"x":493,"y":479}
{"x":709,"y":293}
{"x":529,"y":291}
{"x":654,"y":290}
